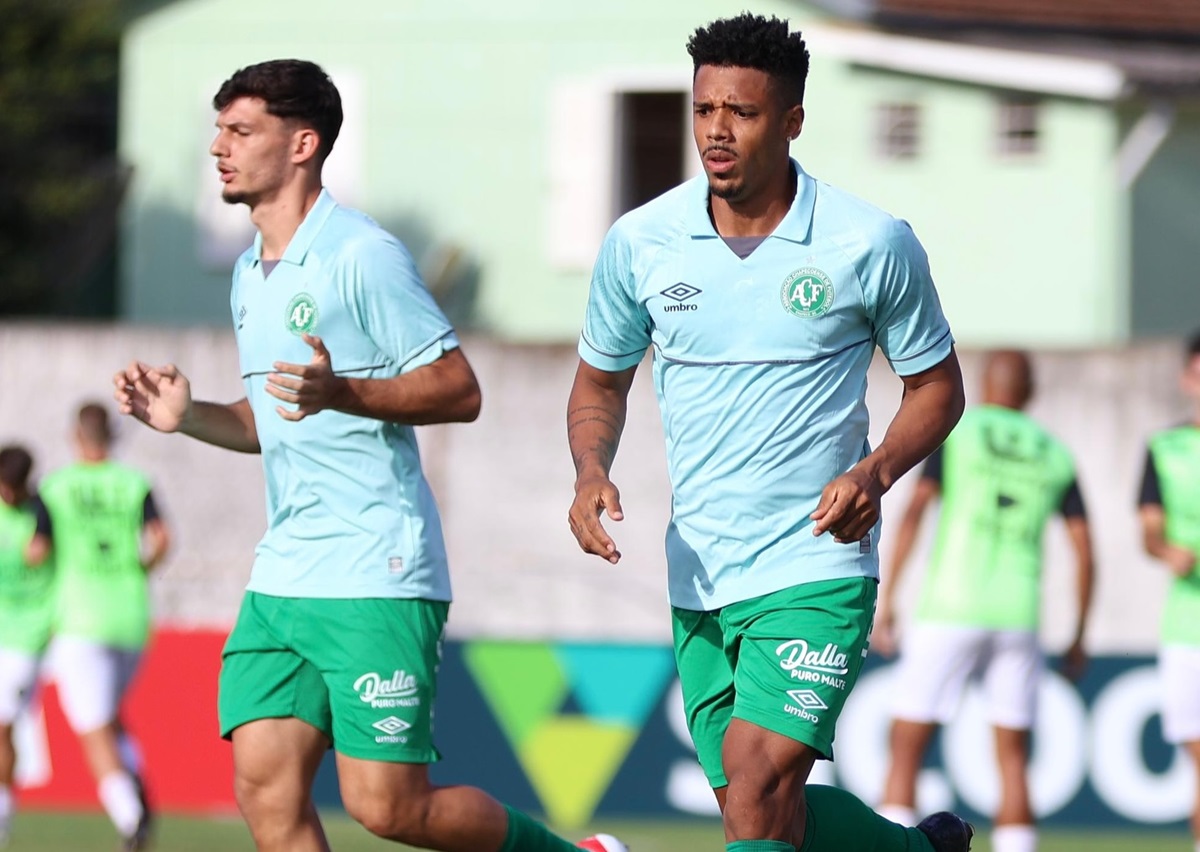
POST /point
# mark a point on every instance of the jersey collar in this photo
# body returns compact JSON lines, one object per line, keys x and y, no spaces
{"x":796,"y":225}
{"x":302,"y":240}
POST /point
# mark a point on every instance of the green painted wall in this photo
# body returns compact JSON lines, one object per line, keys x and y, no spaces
{"x":1023,"y":248}
{"x":457,"y":104}
{"x":1165,"y":260}
{"x":456,"y":118}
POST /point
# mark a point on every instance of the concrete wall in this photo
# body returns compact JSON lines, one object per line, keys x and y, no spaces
{"x":504,"y":483}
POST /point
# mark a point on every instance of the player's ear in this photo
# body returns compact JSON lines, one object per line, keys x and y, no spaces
{"x":305,"y":144}
{"x":793,"y":121}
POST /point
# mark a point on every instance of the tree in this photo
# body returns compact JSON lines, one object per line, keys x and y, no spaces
{"x":60,"y":181}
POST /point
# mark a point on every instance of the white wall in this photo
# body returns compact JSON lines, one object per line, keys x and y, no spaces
{"x":504,"y":483}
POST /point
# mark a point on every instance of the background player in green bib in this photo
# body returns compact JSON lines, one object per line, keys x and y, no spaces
{"x":1169,"y":507}
{"x":342,"y":352}
{"x":108,"y":536}
{"x":764,"y":294}
{"x":26,"y":605}
{"x":1001,"y":477}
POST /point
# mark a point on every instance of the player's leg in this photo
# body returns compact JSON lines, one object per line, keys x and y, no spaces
{"x":1011,"y":684}
{"x":799,"y":653}
{"x":275,"y":761}
{"x":379,"y":660}
{"x":935,"y":663}
{"x":87,"y":675}
{"x":18,"y":676}
{"x":274,"y":706}
{"x":1179,"y":671}
{"x":838,"y":821}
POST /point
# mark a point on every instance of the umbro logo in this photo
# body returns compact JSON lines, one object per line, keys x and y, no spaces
{"x":680,"y":293}
{"x":241,"y":318}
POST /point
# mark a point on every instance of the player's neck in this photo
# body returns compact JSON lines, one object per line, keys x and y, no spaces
{"x":92,"y":455}
{"x":759,"y":214}
{"x":278,"y":217}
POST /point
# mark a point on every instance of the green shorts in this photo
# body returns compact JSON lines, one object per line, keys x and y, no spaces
{"x":363,"y":671}
{"x":784,"y":661}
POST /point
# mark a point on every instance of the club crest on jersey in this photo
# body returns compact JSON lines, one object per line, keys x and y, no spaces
{"x":301,"y":314}
{"x":807,"y":292}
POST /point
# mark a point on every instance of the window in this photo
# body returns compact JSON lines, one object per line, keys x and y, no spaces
{"x":1018,"y":119}
{"x":651,"y":143}
{"x":899,"y":131}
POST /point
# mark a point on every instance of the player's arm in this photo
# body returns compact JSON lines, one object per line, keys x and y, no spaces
{"x":161,"y":397}
{"x":595,"y":419}
{"x":927,"y":489}
{"x":932,"y":403}
{"x":1180,"y":560}
{"x":444,"y":390}
{"x":156,"y":535}
{"x":1079,"y":532}
{"x":37,"y":551}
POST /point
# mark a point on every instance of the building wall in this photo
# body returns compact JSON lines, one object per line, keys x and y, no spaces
{"x":484,"y":133}
{"x":504,"y":483}
{"x":1165,"y":206}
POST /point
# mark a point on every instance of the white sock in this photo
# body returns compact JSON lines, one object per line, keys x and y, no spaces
{"x":6,"y":807}
{"x":1014,"y":838}
{"x":902,"y":814}
{"x":119,"y":796}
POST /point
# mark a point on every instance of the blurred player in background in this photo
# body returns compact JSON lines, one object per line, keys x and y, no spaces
{"x":764,"y":294}
{"x":108,"y":536}
{"x":1000,"y":476}
{"x":1170,"y":515}
{"x":26,"y":605}
{"x":339,"y":636}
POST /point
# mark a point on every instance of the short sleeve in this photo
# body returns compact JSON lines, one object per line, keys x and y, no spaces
{"x":1149,"y":494}
{"x":616,"y":327}
{"x":1072,"y":505}
{"x":385,"y":292}
{"x":150,"y":509}
{"x":43,"y":524}
{"x":932,"y":469}
{"x":902,"y":304}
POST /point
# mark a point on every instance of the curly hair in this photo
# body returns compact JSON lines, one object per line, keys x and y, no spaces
{"x":753,"y":41}
{"x":293,"y":89}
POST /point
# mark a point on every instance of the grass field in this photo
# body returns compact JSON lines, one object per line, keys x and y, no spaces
{"x":47,"y":832}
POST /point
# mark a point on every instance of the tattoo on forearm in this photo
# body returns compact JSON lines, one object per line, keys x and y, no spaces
{"x":598,"y":424}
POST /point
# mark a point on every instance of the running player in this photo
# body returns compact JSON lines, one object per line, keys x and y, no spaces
{"x":26,"y":605}
{"x":108,"y":536}
{"x":1170,"y":515}
{"x":764,"y":294}
{"x":1001,"y":477}
{"x":339,"y":636}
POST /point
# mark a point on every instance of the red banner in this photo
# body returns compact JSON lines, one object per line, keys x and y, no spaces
{"x":171,"y":711}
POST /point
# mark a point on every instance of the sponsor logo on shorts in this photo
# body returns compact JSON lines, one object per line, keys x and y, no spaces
{"x":826,"y":667}
{"x":392,"y":728}
{"x":806,"y":700}
{"x":400,"y":690}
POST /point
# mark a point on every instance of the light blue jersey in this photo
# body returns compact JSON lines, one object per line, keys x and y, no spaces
{"x":349,"y":513}
{"x":760,"y":366}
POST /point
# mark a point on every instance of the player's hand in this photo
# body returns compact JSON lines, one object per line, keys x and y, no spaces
{"x":311,"y":387}
{"x":594,"y":495}
{"x":1180,"y":560}
{"x":849,"y":506}
{"x":883,"y":634}
{"x":160,"y":397}
{"x":1074,"y":661}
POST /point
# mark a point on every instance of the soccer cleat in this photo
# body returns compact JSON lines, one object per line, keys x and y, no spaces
{"x":140,"y":839}
{"x":947,"y":832}
{"x":602,"y":843}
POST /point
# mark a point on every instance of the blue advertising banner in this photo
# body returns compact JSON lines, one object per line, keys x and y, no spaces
{"x":575,"y":731}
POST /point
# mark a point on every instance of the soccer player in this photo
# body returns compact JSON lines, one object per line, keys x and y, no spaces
{"x":26,"y":605}
{"x":1170,"y":515}
{"x":1001,"y":477}
{"x":108,"y":536}
{"x":764,"y":293}
{"x":342,"y":352}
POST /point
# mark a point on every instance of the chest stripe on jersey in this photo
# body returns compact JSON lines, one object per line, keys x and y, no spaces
{"x":825,"y":356}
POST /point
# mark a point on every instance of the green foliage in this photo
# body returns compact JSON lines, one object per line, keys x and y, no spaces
{"x":60,"y":182}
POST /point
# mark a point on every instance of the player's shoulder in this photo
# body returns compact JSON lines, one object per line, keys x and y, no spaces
{"x":659,"y":221}
{"x":861,"y":228}
{"x":1177,"y":435}
{"x":350,"y":236}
